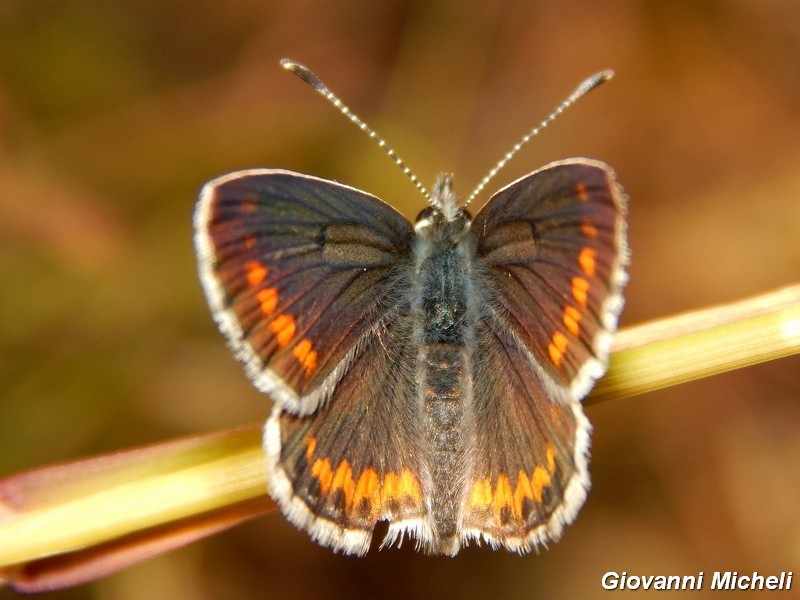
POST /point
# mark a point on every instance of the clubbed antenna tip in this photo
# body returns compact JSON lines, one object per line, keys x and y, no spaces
{"x":315,"y":82}
{"x":586,"y":86}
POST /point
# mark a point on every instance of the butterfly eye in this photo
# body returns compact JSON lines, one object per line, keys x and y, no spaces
{"x":426,"y":214}
{"x":427,"y":217}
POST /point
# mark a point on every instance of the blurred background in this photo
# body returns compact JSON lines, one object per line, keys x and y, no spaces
{"x":113,"y":114}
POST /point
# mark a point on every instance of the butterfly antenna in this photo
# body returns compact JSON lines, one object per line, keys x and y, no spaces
{"x":584,"y":88}
{"x":311,"y":79}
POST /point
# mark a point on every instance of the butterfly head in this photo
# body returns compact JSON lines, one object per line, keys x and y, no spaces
{"x":445,"y":219}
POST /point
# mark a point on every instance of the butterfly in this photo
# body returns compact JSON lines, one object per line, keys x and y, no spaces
{"x":427,"y":375}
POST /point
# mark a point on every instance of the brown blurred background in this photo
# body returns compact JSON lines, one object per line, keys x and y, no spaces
{"x":113,"y":114}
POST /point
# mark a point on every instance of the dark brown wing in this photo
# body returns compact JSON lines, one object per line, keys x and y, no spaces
{"x":297,"y":270}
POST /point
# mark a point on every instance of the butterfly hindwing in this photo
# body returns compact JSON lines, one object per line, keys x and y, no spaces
{"x":529,"y":464}
{"x":360,"y":458}
{"x":297,"y":271}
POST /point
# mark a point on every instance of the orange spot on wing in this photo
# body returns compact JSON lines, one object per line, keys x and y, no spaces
{"x":391,"y":488}
{"x":580,"y":287}
{"x":588,"y":229}
{"x":268,"y":299}
{"x":368,"y":489}
{"x":556,"y":348}
{"x":571,"y":319}
{"x":401,"y":489}
{"x":249,"y":242}
{"x":304,"y":353}
{"x":481,"y":494}
{"x":550,"y":452}
{"x":343,"y":480}
{"x":586,"y":259}
{"x":580,"y":190}
{"x":321,"y":469}
{"x":249,"y":203}
{"x":256,"y":272}
{"x":283,"y":327}
{"x":409,"y":487}
{"x":503,"y":496}
{"x":539,"y":480}
{"x":523,"y":491}
{"x":311,"y":445}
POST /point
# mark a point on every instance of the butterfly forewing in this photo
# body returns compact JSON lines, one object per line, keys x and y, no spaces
{"x":553,"y":245}
{"x":297,"y":271}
